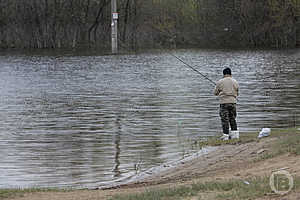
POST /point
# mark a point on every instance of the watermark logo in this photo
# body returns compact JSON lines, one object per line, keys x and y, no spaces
{"x":281,"y":182}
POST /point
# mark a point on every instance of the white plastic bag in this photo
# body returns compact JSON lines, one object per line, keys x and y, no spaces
{"x":265,"y":132}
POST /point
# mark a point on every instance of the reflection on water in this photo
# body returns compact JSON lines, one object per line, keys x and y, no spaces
{"x":83,"y":121}
{"x":117,"y":139}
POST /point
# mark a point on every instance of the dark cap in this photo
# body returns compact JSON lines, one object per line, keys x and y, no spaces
{"x":227,"y":71}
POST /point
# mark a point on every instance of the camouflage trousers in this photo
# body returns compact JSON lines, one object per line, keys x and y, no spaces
{"x":228,"y":115}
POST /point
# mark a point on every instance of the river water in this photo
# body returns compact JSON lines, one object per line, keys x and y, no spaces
{"x":83,"y":121}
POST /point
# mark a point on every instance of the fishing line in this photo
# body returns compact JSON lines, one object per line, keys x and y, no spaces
{"x":191,"y":67}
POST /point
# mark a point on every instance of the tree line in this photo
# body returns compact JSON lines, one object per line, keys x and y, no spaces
{"x":149,"y":23}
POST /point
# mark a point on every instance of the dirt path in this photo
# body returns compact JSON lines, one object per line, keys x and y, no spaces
{"x":227,"y":162}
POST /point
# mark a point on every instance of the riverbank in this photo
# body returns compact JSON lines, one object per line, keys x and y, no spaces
{"x":238,"y":169}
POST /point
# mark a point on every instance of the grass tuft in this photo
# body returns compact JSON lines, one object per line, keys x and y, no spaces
{"x":252,"y":137}
{"x":11,"y":193}
{"x":288,"y":141}
{"x":215,"y":141}
{"x":231,"y":189}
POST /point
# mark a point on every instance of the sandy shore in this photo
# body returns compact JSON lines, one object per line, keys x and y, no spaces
{"x":226,"y":162}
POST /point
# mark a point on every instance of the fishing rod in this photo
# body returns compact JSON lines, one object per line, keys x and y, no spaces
{"x":193,"y":68}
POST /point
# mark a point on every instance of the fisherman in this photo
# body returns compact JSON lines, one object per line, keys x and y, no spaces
{"x":228,"y":89}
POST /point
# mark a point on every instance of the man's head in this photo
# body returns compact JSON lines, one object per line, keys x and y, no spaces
{"x":227,"y":72}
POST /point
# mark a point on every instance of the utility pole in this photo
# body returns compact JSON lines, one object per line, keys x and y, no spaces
{"x":297,"y":34}
{"x":114,"y":27}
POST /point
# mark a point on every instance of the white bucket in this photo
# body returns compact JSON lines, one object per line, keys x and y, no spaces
{"x":225,"y":137}
{"x":234,"y":134}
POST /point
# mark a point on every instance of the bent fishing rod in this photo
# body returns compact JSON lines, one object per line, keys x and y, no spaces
{"x":191,"y":67}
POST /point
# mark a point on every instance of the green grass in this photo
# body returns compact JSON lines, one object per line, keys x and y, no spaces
{"x":10,"y":193}
{"x":231,"y":189}
{"x":288,"y":141}
{"x":165,"y":194}
{"x":216,"y":141}
{"x":247,"y":137}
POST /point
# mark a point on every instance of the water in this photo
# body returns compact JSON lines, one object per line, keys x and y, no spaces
{"x":84,"y":121}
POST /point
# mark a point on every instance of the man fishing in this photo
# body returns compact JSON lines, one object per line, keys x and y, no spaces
{"x":228,"y":89}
